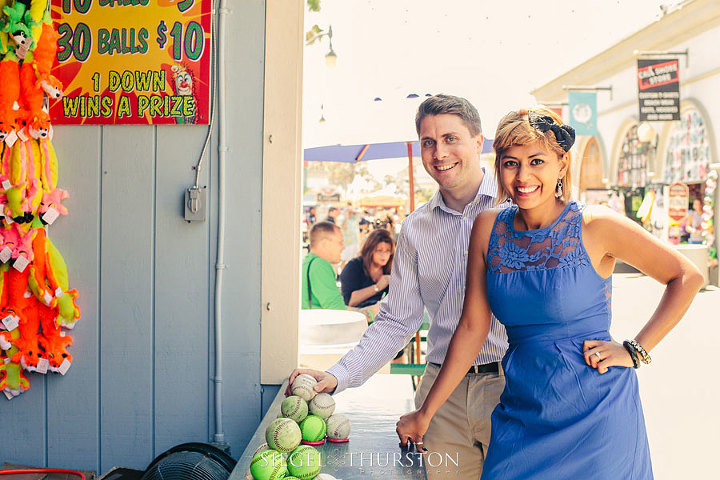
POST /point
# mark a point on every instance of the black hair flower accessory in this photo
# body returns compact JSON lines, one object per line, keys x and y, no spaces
{"x":564,"y":134}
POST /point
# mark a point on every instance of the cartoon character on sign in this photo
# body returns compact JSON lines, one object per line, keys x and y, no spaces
{"x":183,"y":84}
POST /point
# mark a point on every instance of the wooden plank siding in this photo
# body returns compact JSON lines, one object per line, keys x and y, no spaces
{"x":141,"y":379}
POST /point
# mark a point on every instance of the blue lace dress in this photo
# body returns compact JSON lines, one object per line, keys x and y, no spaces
{"x":558,"y":418}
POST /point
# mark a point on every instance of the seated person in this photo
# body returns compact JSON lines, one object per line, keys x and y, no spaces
{"x":365,"y":279}
{"x":319,"y":289}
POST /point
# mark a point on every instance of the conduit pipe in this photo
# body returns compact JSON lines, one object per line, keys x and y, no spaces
{"x":219,"y":437}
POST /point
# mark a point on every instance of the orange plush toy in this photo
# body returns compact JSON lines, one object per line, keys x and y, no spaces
{"x":9,"y":96}
{"x":44,"y":55}
{"x":37,"y":306}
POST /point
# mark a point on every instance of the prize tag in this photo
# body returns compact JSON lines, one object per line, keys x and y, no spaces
{"x":58,"y":292}
{"x":51,"y":215}
{"x":9,"y":220}
{"x":6,"y":184}
{"x":11,"y":139}
{"x":20,"y":263}
{"x":42,"y":366}
{"x":5,"y":254}
{"x":11,"y":322}
{"x":64,"y":367}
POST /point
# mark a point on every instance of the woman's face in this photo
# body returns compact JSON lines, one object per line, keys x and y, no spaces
{"x":381,"y":254}
{"x":530,"y":173}
{"x":697,"y":206}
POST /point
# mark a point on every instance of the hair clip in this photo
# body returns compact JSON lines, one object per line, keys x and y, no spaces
{"x":564,"y":134}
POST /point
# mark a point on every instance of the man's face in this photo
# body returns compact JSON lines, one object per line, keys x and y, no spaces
{"x":334,"y":246}
{"x":449,"y":151}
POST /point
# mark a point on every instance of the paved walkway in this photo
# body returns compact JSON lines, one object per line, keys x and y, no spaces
{"x":680,"y":390}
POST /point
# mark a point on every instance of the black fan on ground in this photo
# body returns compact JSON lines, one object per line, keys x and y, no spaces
{"x":191,"y":461}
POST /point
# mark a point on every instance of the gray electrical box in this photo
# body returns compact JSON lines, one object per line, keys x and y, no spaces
{"x":195,"y":204}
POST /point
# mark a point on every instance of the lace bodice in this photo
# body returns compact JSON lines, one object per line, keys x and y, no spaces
{"x":556,"y":246}
{"x":541,"y":283}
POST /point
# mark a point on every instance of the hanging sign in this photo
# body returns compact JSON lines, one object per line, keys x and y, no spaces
{"x":678,"y":200}
{"x":582,"y":107}
{"x":132,"y":61}
{"x":658,"y":89}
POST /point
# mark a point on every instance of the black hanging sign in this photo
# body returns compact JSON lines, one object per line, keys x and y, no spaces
{"x":658,"y":89}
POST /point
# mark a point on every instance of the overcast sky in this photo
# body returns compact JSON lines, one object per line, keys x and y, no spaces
{"x":492,"y":52}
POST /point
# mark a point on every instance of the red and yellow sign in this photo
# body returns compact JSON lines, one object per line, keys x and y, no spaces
{"x":133,"y":61}
{"x":679,"y":198}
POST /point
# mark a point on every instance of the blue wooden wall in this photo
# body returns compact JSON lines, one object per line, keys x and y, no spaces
{"x":141,"y":380}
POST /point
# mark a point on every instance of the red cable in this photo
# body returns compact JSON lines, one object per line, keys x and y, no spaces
{"x":18,"y":471}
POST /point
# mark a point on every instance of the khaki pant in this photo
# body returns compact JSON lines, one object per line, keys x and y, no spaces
{"x":459,"y":433}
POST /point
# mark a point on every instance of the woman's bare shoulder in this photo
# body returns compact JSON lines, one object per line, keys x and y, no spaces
{"x":488,"y":216}
{"x":485,"y":221}
{"x":595,"y":216}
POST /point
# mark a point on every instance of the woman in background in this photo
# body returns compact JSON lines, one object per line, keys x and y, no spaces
{"x":693,"y":223}
{"x":365,"y":279}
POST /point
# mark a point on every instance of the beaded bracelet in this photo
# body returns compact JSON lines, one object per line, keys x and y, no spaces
{"x":644,"y":356}
{"x":633,"y":354}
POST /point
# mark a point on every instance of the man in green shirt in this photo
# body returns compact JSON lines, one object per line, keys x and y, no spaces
{"x":319,"y":289}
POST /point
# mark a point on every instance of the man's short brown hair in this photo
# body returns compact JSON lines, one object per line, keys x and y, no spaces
{"x":322,"y":230}
{"x":449,"y":104}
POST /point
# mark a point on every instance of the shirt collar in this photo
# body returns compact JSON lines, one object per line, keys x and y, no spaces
{"x":488,"y":188}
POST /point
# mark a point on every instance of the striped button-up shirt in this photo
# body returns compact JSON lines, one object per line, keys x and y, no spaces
{"x":429,"y":271}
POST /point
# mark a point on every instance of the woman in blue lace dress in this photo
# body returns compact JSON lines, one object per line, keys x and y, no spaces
{"x":570,"y":408}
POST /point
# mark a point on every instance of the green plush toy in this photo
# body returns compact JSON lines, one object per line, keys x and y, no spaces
{"x":12,"y":380}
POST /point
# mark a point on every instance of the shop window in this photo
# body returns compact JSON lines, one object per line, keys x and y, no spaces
{"x":633,"y":161}
{"x":688,"y":154}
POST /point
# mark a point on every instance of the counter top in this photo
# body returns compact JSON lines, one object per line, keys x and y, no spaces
{"x":373,"y":450}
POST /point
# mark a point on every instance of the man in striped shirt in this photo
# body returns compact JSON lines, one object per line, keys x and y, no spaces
{"x":429,"y":273}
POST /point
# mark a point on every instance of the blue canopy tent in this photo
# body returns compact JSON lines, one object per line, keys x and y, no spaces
{"x":374,"y":151}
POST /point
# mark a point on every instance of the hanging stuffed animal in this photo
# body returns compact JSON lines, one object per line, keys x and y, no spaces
{"x":44,"y":55}
{"x":37,"y":305}
{"x":9,"y":96}
{"x":15,"y":26}
{"x":23,"y":23}
{"x":12,"y":380}
{"x":4,"y":40}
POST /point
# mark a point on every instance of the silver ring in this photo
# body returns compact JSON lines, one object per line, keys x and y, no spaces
{"x":419,"y":443}
{"x":598,"y":354}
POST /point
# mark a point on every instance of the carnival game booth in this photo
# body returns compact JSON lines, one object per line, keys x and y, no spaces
{"x":125,"y":290}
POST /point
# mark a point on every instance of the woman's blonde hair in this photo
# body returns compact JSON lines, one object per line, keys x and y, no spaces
{"x":515,"y":130}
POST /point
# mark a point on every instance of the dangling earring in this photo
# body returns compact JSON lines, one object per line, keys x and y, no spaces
{"x":558,"y":189}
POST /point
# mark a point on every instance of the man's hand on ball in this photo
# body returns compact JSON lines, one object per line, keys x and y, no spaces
{"x":326,"y":381}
